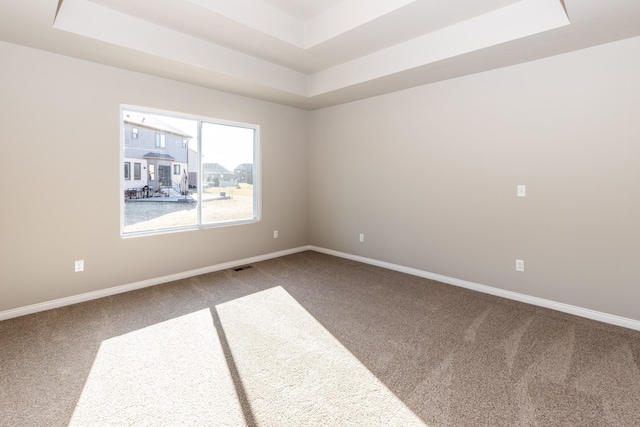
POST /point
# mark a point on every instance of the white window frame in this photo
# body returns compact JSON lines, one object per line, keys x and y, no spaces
{"x":257,"y":176}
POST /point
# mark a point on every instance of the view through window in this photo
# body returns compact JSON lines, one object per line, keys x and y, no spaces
{"x":187,"y":172}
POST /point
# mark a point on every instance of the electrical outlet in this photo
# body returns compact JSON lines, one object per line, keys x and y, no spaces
{"x":79,"y":265}
{"x":519,"y":265}
{"x":522,"y":190}
{"x":361,"y":237}
{"x":275,"y":234}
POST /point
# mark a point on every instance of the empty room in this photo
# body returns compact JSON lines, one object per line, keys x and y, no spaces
{"x":320,"y":213}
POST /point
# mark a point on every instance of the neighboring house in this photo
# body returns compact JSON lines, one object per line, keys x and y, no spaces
{"x":155,"y":153}
{"x":244,"y":173}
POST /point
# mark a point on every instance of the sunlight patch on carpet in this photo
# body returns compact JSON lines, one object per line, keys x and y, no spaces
{"x":261,"y":360}
{"x":295,"y":372}
{"x":170,"y":373}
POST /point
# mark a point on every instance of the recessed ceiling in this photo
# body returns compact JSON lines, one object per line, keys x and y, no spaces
{"x":314,"y":53}
{"x":303,"y":10}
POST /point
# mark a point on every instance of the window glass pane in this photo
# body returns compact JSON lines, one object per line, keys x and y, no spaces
{"x":161,"y":140}
{"x":127,"y":170}
{"x":227,"y":173}
{"x":158,"y":148}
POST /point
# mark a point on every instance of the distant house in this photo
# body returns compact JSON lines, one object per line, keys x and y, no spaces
{"x":244,"y":173}
{"x":155,"y":153}
{"x":214,"y":174}
{"x":217,"y":175}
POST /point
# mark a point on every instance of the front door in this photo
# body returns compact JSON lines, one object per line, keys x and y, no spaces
{"x":164,"y":175}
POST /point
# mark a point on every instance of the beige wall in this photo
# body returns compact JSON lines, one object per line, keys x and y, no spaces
{"x":429,"y":175}
{"x":60,"y":198}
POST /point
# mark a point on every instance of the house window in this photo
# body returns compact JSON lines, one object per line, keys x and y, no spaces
{"x":210,"y":194}
{"x":161,"y":140}
{"x":127,"y":170}
{"x":134,"y":133}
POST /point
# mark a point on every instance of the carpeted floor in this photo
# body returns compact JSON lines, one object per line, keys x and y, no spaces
{"x":313,"y":340}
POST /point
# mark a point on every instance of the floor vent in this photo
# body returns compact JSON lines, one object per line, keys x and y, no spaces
{"x":244,"y":267}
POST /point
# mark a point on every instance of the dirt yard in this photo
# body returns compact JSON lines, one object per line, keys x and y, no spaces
{"x":144,"y":216}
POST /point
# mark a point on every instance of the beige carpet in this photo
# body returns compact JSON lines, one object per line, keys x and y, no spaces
{"x":314,"y":340}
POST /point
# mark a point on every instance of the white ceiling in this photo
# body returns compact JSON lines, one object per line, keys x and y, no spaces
{"x":303,"y":10}
{"x":314,"y":53}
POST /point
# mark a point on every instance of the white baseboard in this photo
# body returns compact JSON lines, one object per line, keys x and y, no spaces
{"x":558,"y":306}
{"x":48,"y":305}
{"x":565,"y":308}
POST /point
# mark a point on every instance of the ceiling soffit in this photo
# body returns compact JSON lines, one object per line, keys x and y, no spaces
{"x":350,"y":43}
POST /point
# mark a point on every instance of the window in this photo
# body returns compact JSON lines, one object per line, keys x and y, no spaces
{"x":192,"y":172}
{"x":134,"y":133}
{"x":127,"y":170}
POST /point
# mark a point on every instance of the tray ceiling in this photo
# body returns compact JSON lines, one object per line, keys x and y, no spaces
{"x":315,"y":53}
